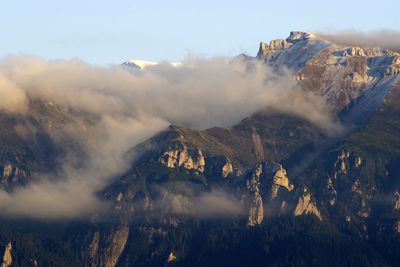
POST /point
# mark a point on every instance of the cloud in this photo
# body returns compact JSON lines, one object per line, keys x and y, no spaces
{"x":386,"y":39}
{"x":107,"y":111}
{"x":13,"y":99}
{"x":193,"y":200}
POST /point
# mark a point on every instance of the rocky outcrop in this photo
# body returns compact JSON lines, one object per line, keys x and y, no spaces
{"x":354,"y":51}
{"x":280,"y":178}
{"x":7,"y":258}
{"x":306,"y":205}
{"x":332,"y":192}
{"x":396,"y":201}
{"x":356,"y":188}
{"x":11,"y":175}
{"x":357,"y":162}
{"x":256,"y":212}
{"x":340,"y":165}
{"x":171,"y":257}
{"x":106,"y":248}
{"x":227,"y":169}
{"x":263,"y":185}
{"x":274,"y":45}
{"x":182,"y":157}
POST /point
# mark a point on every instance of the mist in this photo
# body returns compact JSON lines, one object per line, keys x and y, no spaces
{"x":130,"y":106}
{"x":386,"y":39}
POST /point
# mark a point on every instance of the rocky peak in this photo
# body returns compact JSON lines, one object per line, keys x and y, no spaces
{"x":296,"y":36}
{"x":283,"y":44}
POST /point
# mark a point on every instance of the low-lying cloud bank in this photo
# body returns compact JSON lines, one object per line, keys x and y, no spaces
{"x":130,"y":106}
{"x":386,"y":39}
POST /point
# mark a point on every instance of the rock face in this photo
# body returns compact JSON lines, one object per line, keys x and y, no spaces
{"x":348,"y":77}
{"x":256,"y":212}
{"x":280,"y":178}
{"x":11,"y":175}
{"x":7,"y":258}
{"x":306,"y":206}
{"x":332,"y":192}
{"x":274,"y":45}
{"x":396,"y":201}
{"x":106,"y":248}
{"x":294,"y":52}
{"x":227,"y":169}
{"x":182,"y":157}
{"x":264,"y":183}
{"x":171,"y":257}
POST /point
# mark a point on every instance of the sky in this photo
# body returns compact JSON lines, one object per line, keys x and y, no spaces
{"x":104,"y":32}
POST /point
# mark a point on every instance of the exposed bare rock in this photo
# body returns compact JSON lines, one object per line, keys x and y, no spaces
{"x":7,"y":258}
{"x":182,"y":157}
{"x":34,"y":262}
{"x":274,"y":45}
{"x":340,"y":73}
{"x":256,"y":212}
{"x":171,"y":257}
{"x":227,"y":169}
{"x":105,"y":249}
{"x":119,"y":197}
{"x":354,"y":51}
{"x":363,"y":214}
{"x":357,"y":162}
{"x":332,"y":192}
{"x":279,"y":44}
{"x":279,"y":179}
{"x":356,"y":187}
{"x":306,"y":206}
{"x":7,"y":170}
{"x":340,"y":164}
{"x":258,"y":147}
{"x":396,"y":201}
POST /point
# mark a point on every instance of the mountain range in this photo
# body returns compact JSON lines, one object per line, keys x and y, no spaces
{"x":312,"y":178}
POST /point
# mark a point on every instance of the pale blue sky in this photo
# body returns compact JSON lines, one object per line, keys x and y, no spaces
{"x":110,"y":32}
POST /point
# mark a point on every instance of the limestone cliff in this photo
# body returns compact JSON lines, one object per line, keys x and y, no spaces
{"x":106,"y":247}
{"x":280,"y":178}
{"x":256,"y":212}
{"x":263,"y":184}
{"x":306,"y":205}
{"x":351,"y":77}
{"x":227,"y":169}
{"x":182,"y":157}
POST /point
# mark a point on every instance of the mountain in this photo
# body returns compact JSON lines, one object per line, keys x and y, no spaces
{"x":275,"y":188}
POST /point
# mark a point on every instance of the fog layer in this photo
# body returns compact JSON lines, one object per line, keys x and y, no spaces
{"x":130,"y":106}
